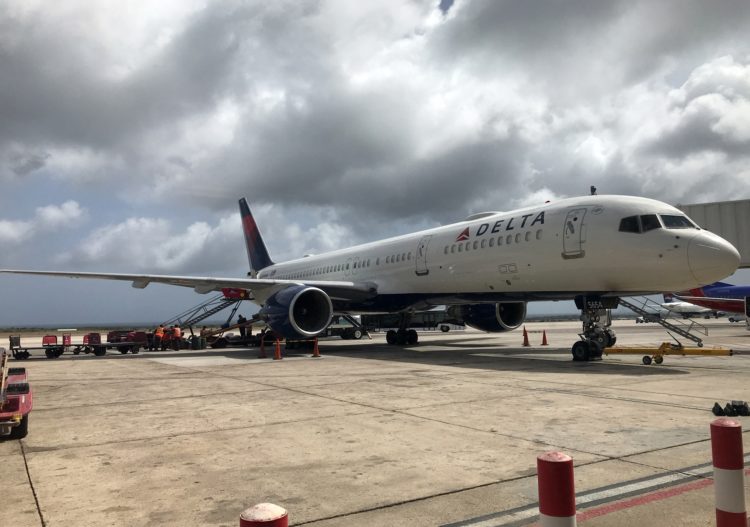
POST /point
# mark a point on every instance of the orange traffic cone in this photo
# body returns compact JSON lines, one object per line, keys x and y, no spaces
{"x":525,"y":337}
{"x":277,"y":350}
{"x":544,"y":338}
{"x":316,"y":351}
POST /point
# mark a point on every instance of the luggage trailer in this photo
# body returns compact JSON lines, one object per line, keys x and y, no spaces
{"x":132,"y":342}
{"x":15,"y":399}
{"x":52,"y":349}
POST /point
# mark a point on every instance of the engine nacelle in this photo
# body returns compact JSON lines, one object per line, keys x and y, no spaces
{"x":494,"y":318}
{"x":298,"y":312}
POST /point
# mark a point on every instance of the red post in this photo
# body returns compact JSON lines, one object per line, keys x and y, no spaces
{"x":557,"y":495}
{"x":729,"y":472}
{"x":316,"y":351}
{"x":525,"y":337}
{"x":264,"y":515}
{"x":277,"y":350}
{"x":544,"y":338}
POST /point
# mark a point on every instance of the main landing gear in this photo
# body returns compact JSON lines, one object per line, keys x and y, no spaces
{"x":596,"y":335}
{"x":402,"y":336}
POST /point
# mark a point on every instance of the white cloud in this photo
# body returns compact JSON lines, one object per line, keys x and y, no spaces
{"x":47,"y":219}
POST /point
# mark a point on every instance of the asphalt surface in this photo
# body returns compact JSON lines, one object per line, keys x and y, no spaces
{"x":442,"y":433}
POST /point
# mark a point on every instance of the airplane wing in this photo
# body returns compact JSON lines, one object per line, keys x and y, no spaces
{"x":260,"y":288}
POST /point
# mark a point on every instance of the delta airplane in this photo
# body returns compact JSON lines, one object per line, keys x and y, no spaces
{"x":718,"y":296}
{"x":591,"y":249}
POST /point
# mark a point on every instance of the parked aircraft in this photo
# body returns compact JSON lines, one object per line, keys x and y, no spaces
{"x":718,"y":296}
{"x":686,"y":309}
{"x":592,"y":249}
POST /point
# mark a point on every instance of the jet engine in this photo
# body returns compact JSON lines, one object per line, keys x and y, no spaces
{"x":298,"y":312}
{"x":494,"y":318}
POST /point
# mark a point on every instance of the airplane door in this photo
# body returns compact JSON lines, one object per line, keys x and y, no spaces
{"x":421,"y":269}
{"x":574,"y":234}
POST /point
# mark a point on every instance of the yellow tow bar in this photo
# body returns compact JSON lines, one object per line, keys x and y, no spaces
{"x":667,"y":348}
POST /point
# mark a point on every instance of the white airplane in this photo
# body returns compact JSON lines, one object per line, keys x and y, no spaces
{"x":686,"y":309}
{"x":592,"y":249}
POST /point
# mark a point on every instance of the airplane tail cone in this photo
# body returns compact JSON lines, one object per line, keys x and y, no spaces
{"x":277,"y":350}
{"x":316,"y":351}
{"x":525,"y":337}
{"x":544,"y":338}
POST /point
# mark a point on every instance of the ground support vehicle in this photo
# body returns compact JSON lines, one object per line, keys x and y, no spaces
{"x":15,"y":400}
{"x":92,"y":343}
{"x":49,"y":344}
{"x":656,"y":355}
{"x":128,"y":340}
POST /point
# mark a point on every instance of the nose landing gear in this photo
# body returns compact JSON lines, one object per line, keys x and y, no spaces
{"x":596,"y":334}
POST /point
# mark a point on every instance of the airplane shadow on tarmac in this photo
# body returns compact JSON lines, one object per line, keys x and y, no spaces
{"x":484,"y":356}
{"x":463,"y":353}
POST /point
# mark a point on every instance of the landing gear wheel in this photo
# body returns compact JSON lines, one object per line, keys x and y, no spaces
{"x":124,"y":350}
{"x":646,"y":360}
{"x":357,"y":334}
{"x":390,"y":337}
{"x":611,"y":337}
{"x":412,"y":337}
{"x":581,"y":351}
{"x":100,"y":351}
{"x":658,"y":359}
{"x":50,"y":354}
{"x":445,"y":329}
{"x":136,"y":350}
{"x":595,"y":350}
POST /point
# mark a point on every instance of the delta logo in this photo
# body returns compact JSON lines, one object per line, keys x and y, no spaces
{"x":508,"y":224}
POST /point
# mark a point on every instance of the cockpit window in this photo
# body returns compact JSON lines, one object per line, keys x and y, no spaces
{"x":675,"y":221}
{"x":650,"y":222}
{"x":630,"y":224}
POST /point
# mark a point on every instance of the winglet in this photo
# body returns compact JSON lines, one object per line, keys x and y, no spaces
{"x":257,"y":254}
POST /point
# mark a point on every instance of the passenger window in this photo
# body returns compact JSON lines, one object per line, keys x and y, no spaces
{"x":476,"y":245}
{"x":492,"y":242}
{"x":539,"y":234}
{"x":403,"y":257}
{"x":484,"y":243}
{"x":629,"y":224}
{"x":509,"y":239}
{"x":460,"y":247}
{"x":453,"y":248}
{"x":377,"y":260}
{"x":408,"y":256}
{"x":445,"y":250}
{"x":518,"y":237}
{"x":499,"y":241}
{"x":527,"y":236}
{"x":650,"y":222}
{"x":677,"y":222}
{"x":468,"y":245}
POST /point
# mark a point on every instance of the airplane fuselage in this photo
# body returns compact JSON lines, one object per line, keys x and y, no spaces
{"x":608,"y":245}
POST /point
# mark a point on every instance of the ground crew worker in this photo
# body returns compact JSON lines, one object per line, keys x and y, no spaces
{"x":243,"y":329}
{"x":177,"y":337}
{"x":158,"y":336}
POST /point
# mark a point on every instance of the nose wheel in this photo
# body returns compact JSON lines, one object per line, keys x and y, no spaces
{"x":596,"y":334}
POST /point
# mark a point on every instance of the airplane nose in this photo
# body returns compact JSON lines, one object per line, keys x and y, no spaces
{"x":712,"y":258}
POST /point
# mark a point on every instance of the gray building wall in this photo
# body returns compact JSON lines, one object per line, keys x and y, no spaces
{"x":728,"y":219}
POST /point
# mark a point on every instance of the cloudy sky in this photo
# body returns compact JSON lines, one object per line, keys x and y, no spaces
{"x":128,"y":130}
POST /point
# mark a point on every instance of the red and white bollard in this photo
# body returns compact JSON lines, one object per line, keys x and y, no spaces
{"x":557,"y":495}
{"x":729,"y":472}
{"x":264,"y":515}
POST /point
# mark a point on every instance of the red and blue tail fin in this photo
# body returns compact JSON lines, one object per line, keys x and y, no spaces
{"x":257,"y":254}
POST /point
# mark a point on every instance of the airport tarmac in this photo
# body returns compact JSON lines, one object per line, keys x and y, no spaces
{"x":442,"y":433}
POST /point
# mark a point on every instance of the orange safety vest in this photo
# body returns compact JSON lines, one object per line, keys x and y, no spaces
{"x":177,"y":333}
{"x":159,"y":332}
